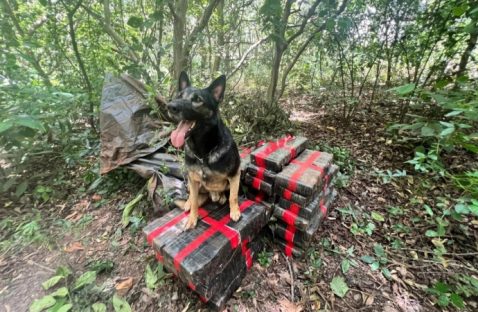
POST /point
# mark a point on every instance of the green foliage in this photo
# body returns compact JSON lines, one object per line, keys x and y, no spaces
{"x":154,"y":278}
{"x":265,"y":258}
{"x":445,"y":296}
{"x":339,"y":286}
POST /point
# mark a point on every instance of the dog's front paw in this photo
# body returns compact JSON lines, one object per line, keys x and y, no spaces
{"x":187,"y":205}
{"x":222,"y":199}
{"x":192,"y":221}
{"x":235,"y":213}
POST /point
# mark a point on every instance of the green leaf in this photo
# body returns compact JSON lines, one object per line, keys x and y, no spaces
{"x":135,"y":21}
{"x":85,"y":279}
{"x":345,"y":265}
{"x":447,"y":131}
{"x":374,"y":266}
{"x":441,"y":287}
{"x":404,"y":89}
{"x":367,"y":259}
{"x":443,"y":300}
{"x":65,"y":308}
{"x":51,"y":282}
{"x":386,"y":273}
{"x":101,"y":266}
{"x":120,"y":305}
{"x":150,"y":278}
{"x":99,"y":307}
{"x":428,"y":210}
{"x":129,"y":208}
{"x":60,"y":292}
{"x":377,"y":216}
{"x":339,"y":287}
{"x":457,"y":301}
{"x":21,"y":189}
{"x":5,"y":125}
{"x":461,"y":208}
{"x":453,"y":113}
{"x":29,"y":122}
{"x":63,"y":271}
{"x":379,"y":251}
{"x":427,"y":131}
{"x":431,"y":233}
{"x":43,"y":303}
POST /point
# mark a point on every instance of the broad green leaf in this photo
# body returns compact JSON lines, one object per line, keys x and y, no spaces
{"x":135,"y":21}
{"x":453,"y":113}
{"x":65,"y":308}
{"x":431,"y":233}
{"x":443,"y":300}
{"x":29,"y":122}
{"x":379,"y":251}
{"x":5,"y":125}
{"x":150,"y":278}
{"x":85,"y":279}
{"x":377,"y":216}
{"x":461,"y":208}
{"x":129,"y":208}
{"x":99,"y":307}
{"x":120,"y":305}
{"x":447,"y":131}
{"x":427,"y":131}
{"x":339,"y":287}
{"x":367,"y":259}
{"x":42,"y":303}
{"x":60,"y":292}
{"x":51,"y":282}
{"x":345,"y":265}
{"x":457,"y":301}
{"x":386,"y":273}
{"x":428,"y":210}
{"x":374,"y":266}
{"x":404,"y":89}
{"x":21,"y":189}
{"x":441,"y":287}
{"x":63,"y":271}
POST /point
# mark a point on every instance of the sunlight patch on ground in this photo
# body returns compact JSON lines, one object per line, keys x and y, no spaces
{"x":301,"y":115}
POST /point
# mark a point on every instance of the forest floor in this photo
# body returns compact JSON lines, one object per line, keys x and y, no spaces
{"x":374,"y":237}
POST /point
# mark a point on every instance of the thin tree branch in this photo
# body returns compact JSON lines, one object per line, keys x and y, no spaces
{"x":244,"y":57}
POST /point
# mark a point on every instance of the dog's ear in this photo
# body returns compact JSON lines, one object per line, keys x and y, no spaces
{"x":183,"y":81}
{"x":217,"y":88}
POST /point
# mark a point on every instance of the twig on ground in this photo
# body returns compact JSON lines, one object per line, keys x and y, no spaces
{"x":31,"y":262}
{"x":291,"y":272}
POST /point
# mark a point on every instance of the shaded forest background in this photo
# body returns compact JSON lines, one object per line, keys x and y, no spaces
{"x":406,"y":68}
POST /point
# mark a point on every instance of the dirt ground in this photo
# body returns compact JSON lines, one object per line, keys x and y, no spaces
{"x":95,"y":233}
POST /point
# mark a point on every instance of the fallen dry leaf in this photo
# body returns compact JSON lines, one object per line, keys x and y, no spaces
{"x":288,"y":306}
{"x":75,"y":246}
{"x":124,"y":285}
{"x":96,"y":197}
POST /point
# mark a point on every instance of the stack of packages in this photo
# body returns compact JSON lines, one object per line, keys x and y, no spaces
{"x":298,"y":182}
{"x":265,"y":163}
{"x":213,"y":258}
{"x":305,"y":193}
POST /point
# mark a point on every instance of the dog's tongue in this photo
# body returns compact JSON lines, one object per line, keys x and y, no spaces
{"x":178,"y":135}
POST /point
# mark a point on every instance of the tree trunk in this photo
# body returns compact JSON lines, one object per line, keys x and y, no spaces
{"x":278,"y":53}
{"x":467,"y":53}
{"x":179,"y":29}
{"x":220,"y":38}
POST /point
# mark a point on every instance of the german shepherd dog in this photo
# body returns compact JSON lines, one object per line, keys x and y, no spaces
{"x":211,"y":155}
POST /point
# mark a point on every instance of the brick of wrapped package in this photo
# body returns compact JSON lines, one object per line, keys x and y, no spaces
{"x":250,"y":250}
{"x":289,"y":240}
{"x":301,"y":238}
{"x":295,"y":251}
{"x":275,"y":155}
{"x":308,"y":211}
{"x":258,"y":184}
{"x":261,"y":173}
{"x":245,"y":155}
{"x":292,"y":217}
{"x":305,"y":174}
{"x":198,"y":256}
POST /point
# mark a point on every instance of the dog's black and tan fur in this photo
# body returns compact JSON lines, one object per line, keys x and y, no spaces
{"x":211,"y":155}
